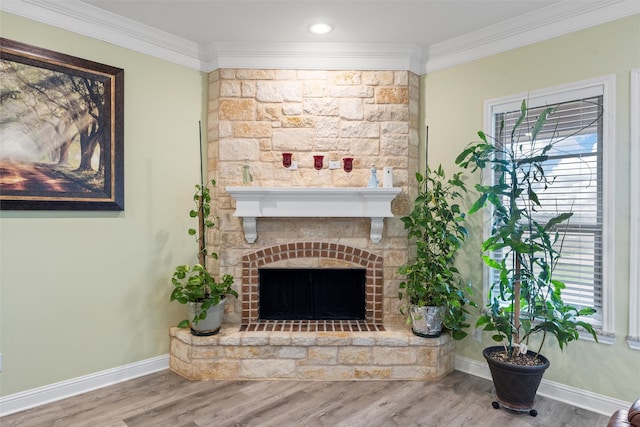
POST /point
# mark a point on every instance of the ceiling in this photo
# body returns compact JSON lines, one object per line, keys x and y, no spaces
{"x":421,"y":22}
{"x":418,"y":35}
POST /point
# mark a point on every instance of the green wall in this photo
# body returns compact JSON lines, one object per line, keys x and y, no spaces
{"x":82,"y":292}
{"x":452,"y":102}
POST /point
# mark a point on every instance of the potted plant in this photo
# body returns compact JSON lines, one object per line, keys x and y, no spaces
{"x":195,"y":286}
{"x":525,"y":297}
{"x":431,"y":291}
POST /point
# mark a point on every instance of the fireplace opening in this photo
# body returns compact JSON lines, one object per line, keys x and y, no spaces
{"x":312,"y":294}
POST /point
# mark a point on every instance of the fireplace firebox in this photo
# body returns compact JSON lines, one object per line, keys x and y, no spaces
{"x":312,"y":255}
{"x":312,"y":294}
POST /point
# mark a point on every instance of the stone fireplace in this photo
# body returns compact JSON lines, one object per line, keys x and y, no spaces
{"x":254,"y":117}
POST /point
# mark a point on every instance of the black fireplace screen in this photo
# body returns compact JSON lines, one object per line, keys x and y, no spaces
{"x":312,"y":294}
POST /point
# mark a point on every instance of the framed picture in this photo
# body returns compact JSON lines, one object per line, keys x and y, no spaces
{"x":61,"y":131}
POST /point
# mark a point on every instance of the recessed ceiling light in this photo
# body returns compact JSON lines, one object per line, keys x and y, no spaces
{"x":320,"y":28}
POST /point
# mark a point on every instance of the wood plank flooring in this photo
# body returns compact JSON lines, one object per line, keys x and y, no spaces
{"x":165,"y":399}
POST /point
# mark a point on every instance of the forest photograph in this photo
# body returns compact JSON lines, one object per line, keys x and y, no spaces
{"x":60,"y":131}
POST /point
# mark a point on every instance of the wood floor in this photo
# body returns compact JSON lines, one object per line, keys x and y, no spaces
{"x":166,"y":399}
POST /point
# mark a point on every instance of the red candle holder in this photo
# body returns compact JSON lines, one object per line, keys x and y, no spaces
{"x":348,"y":164}
{"x":286,"y":159}
{"x":317,"y":162}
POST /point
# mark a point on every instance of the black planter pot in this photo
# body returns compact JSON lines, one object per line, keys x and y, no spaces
{"x":515,"y":385}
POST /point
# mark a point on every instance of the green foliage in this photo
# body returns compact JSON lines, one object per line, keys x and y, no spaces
{"x":525,"y":298}
{"x":196,"y":284}
{"x":437,"y":225}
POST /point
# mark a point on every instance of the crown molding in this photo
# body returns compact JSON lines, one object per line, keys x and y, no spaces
{"x":90,"y":21}
{"x":553,"y":21}
{"x":324,"y":56}
{"x":560,"y":19}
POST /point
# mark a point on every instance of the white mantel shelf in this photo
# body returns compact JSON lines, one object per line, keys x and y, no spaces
{"x":294,"y":202}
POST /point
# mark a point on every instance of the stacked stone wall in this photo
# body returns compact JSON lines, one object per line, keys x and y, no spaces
{"x":256,"y":115}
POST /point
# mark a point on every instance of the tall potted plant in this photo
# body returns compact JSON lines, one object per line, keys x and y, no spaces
{"x":431,"y":291}
{"x":525,"y":297}
{"x":204,"y":296}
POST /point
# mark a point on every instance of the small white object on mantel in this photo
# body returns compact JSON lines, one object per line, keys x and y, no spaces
{"x":294,"y":202}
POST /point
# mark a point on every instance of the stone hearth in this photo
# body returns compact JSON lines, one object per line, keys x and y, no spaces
{"x":393,"y":354}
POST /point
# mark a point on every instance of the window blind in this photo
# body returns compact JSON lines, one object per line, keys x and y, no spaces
{"x":574,"y":167}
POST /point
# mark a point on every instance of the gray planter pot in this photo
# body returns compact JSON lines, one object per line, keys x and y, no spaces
{"x":210,"y":325}
{"x":516,"y":386}
{"x":427,"y":321}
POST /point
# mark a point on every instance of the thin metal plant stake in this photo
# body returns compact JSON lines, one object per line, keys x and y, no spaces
{"x":202,"y":259}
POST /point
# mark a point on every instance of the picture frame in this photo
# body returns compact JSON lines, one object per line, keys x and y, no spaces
{"x":61,"y":131}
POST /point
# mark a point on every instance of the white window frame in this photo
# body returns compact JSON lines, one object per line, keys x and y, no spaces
{"x":604,"y":86}
{"x":633,"y":339}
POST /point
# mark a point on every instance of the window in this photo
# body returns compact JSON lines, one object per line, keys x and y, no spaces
{"x":633,"y":339}
{"x":578,"y":165}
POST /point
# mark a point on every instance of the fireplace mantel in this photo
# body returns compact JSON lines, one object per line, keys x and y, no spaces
{"x":294,"y":202}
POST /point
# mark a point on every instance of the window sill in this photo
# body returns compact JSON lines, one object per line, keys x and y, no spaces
{"x":634,"y":343}
{"x":607,"y":338}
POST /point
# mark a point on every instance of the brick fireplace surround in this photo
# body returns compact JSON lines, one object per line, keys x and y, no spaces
{"x":255,"y":116}
{"x":289,"y":255}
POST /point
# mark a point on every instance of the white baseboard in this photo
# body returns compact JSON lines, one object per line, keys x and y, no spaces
{"x":573,"y":396}
{"x":39,"y":396}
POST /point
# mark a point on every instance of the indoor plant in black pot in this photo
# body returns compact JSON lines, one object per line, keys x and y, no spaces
{"x":204,"y":296}
{"x":434,"y":299}
{"x":522,"y":250}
